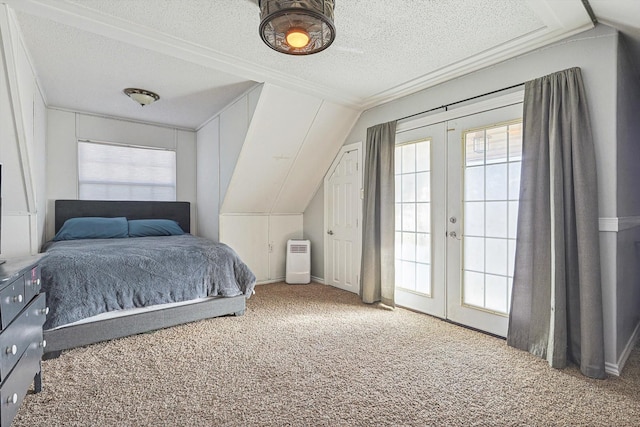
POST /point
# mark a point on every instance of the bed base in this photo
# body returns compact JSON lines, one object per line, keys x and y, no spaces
{"x":103,"y":330}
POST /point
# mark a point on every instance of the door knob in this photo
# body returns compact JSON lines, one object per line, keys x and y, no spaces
{"x":330,"y":232}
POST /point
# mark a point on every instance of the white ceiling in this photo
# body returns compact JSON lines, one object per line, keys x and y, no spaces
{"x":201,"y":54}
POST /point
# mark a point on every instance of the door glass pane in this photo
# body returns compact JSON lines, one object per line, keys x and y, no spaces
{"x":513,"y":219}
{"x":474,"y":289}
{"x":413,"y":236}
{"x":474,"y":219}
{"x":408,"y":247}
{"x":491,"y":191}
{"x":474,"y":148}
{"x":408,"y":187}
{"x":408,"y":158}
{"x":423,"y":278}
{"x":408,"y":217}
{"x":496,"y":176}
{"x":496,"y":219}
{"x":408,"y":275}
{"x":497,"y":292}
{"x":423,"y":217}
{"x":496,"y":145}
{"x":474,"y":183}
{"x":423,"y":187}
{"x":496,"y":262}
{"x":514,"y":180}
{"x":515,"y":142}
{"x":423,"y":251}
{"x":474,"y":253}
{"x":423,"y":156}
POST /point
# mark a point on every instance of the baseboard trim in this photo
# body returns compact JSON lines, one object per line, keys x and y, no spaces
{"x":266,"y":282}
{"x":318,"y":280}
{"x":616,"y":369}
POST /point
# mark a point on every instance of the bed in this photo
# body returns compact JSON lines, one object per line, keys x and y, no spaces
{"x":101,"y":289}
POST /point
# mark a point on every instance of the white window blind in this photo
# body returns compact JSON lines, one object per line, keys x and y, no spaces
{"x":117,"y":172}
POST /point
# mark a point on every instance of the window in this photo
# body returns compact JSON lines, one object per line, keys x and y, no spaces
{"x":493,"y":156}
{"x":119,"y":172}
{"x":413,"y":216}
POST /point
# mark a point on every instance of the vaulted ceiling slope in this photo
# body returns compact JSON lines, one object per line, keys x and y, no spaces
{"x":201,"y":54}
{"x":290,"y":143}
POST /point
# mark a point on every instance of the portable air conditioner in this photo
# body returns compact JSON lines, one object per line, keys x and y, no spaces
{"x":298,"y":262}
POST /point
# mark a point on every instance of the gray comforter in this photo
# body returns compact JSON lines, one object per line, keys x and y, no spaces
{"x":83,"y":278}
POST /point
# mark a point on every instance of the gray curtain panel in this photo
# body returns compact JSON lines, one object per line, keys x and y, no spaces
{"x":556,"y":310}
{"x":378,"y":217}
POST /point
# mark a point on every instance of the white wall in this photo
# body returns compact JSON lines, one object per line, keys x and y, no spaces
{"x":208,"y":179}
{"x":628,"y":197}
{"x":66,"y":128}
{"x":291,"y":141}
{"x":219,"y":145}
{"x":313,"y":215}
{"x":22,"y":145}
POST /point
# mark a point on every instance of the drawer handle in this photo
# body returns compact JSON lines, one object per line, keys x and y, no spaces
{"x":18,"y":298}
{"x":43,"y":344}
{"x":44,"y":311}
{"x":12,"y":350}
{"x":13,"y":399}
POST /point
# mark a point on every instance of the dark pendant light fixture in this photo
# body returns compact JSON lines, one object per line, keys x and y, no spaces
{"x":297,"y":27}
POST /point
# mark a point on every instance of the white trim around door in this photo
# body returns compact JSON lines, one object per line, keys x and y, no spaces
{"x":354,"y":264}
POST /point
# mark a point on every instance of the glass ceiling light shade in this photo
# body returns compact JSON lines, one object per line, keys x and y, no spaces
{"x":297,"y":27}
{"x":141,"y":96}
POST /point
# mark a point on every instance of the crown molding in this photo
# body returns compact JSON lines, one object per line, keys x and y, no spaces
{"x":561,"y":19}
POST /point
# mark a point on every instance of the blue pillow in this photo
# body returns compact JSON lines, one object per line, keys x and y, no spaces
{"x":93,"y":228}
{"x":154,"y":227}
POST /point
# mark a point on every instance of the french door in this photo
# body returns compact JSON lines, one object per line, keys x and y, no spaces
{"x":468,"y":200}
{"x":420,"y":242}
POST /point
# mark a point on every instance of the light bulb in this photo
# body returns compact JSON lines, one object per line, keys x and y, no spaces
{"x":297,"y":38}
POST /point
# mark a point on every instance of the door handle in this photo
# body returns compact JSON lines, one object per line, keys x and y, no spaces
{"x":330,"y":233}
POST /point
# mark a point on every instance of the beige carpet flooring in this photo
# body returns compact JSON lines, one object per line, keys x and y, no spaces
{"x":312,"y":355}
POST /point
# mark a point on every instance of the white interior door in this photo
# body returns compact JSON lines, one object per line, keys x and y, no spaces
{"x":483,"y":191}
{"x":420,"y":174}
{"x":342,"y":242}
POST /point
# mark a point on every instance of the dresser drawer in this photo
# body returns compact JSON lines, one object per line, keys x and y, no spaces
{"x":24,"y":332}
{"x":32,"y":283}
{"x":12,"y":301}
{"x":15,"y":387}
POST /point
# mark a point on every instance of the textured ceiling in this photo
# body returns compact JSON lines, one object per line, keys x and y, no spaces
{"x":389,"y":42}
{"x":200,"y":54}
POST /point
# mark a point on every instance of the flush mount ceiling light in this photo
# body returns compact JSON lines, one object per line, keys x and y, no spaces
{"x":141,"y":96}
{"x":297,"y":27}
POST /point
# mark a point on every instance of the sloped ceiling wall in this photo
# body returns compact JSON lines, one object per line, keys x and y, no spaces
{"x":291,"y":141}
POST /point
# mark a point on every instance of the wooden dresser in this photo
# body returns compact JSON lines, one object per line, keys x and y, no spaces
{"x":22,"y":314}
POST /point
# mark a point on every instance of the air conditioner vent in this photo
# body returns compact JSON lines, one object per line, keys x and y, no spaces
{"x":298,"y":249}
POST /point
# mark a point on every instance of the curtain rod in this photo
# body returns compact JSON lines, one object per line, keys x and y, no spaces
{"x":446,"y":106}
